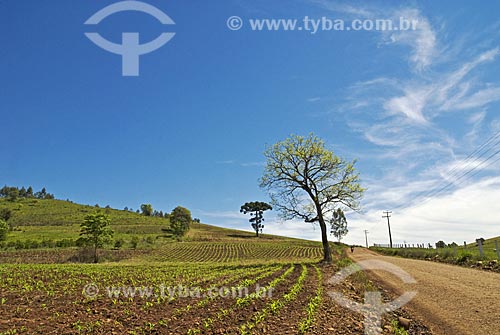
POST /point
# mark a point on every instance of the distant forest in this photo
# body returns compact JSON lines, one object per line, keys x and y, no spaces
{"x":13,"y":193}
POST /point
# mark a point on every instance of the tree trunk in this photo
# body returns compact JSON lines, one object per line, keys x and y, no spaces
{"x":327,"y":255}
{"x":256,"y":225}
{"x":95,"y":254}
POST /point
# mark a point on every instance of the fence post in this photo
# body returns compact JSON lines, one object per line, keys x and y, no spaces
{"x":498,"y":250}
{"x":480,"y":245}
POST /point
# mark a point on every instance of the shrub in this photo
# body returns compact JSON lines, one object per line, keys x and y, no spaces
{"x":31,"y":244}
{"x":4,"y":228}
{"x":5,"y":214}
{"x":119,"y":243}
{"x":65,"y":243}
{"x":47,"y":244}
{"x":464,"y":257}
{"x":134,"y":241}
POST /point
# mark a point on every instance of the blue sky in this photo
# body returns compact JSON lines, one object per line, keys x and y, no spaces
{"x":410,"y":106}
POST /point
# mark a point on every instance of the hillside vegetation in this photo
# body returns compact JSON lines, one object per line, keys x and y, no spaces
{"x":47,"y":230}
{"x":50,"y":212}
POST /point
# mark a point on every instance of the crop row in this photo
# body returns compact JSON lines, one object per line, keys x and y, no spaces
{"x":257,"y":275}
{"x":276,"y":305}
{"x":234,"y":252}
{"x":312,"y":306}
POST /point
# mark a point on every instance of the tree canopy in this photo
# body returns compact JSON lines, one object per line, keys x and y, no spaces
{"x":307,"y":181}
{"x":147,"y":209}
{"x":338,"y":224}
{"x":95,"y":231}
{"x":180,"y":221}
{"x":13,"y":193}
{"x":256,"y":210}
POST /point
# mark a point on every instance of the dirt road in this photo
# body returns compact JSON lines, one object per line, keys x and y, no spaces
{"x":450,"y":299}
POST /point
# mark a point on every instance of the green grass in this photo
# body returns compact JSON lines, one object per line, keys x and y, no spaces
{"x":459,"y":254}
{"x":35,"y":212}
{"x":397,"y":330}
{"x":488,"y":247}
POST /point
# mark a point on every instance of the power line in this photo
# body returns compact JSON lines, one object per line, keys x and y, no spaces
{"x":429,"y":196}
{"x":477,"y":150}
{"x":487,"y":146}
{"x":426,"y":196}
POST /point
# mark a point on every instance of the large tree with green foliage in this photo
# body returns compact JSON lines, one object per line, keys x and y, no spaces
{"x":4,"y":228}
{"x":256,"y":210}
{"x":147,"y":209}
{"x":305,"y":180}
{"x":180,"y":221}
{"x":95,"y":231}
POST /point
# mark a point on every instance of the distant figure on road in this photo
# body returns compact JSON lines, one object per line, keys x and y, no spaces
{"x":352,"y":248}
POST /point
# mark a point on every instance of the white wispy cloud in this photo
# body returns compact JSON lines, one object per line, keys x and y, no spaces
{"x":479,"y":99}
{"x":338,"y":7}
{"x":226,"y":162}
{"x":314,"y":99}
{"x":426,"y":97}
{"x":422,"y":40}
{"x":411,"y":104}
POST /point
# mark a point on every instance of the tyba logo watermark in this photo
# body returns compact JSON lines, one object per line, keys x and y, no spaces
{"x":130,"y":49}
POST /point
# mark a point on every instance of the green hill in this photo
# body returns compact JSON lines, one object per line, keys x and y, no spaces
{"x":46,"y":225}
{"x":49,"y":212}
{"x":47,"y":219}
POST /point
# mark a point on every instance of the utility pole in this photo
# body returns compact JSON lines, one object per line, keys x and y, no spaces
{"x":366,"y":237}
{"x":388,"y":215}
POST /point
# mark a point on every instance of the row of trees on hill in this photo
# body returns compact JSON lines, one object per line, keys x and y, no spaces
{"x":147,"y":210}
{"x":13,"y":193}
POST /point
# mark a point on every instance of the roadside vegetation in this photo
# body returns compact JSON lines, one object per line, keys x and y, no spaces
{"x":459,"y":255}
